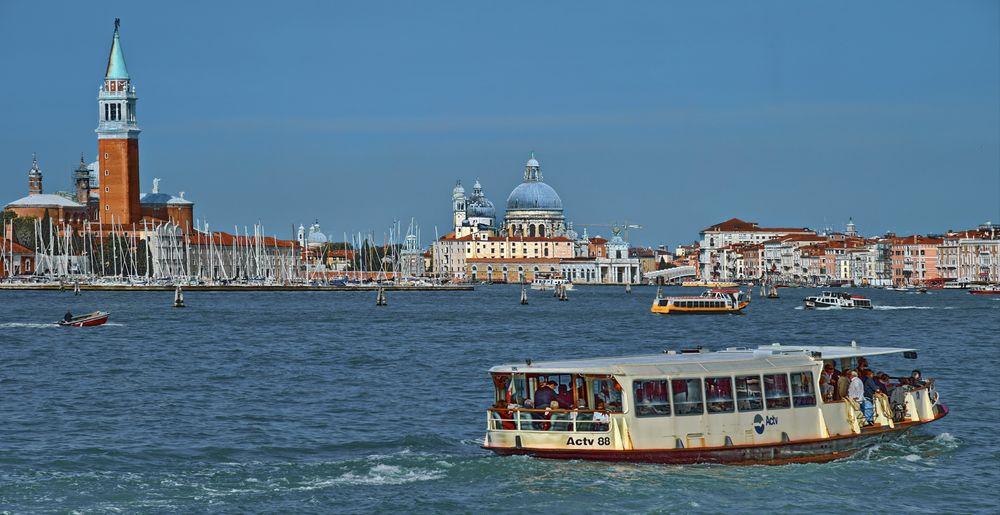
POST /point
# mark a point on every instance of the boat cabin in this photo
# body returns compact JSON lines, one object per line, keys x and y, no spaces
{"x":707,"y":404}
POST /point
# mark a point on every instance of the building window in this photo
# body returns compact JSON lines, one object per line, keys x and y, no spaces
{"x":107,"y":189}
{"x":107,"y":207}
{"x":651,"y":398}
{"x":107,"y":116}
{"x":105,"y":155}
{"x":107,"y":172}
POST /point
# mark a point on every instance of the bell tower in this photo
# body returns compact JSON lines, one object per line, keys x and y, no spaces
{"x":118,"y":142}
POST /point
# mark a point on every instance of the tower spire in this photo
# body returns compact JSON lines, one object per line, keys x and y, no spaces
{"x":116,"y":59}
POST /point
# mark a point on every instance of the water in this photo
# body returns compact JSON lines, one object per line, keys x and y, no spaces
{"x":319,"y":402}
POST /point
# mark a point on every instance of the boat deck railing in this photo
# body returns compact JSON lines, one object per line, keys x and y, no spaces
{"x":557,"y":420}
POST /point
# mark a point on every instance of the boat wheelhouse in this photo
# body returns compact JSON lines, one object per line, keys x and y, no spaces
{"x":838,"y":300}
{"x":737,"y":406}
{"x":710,"y":302}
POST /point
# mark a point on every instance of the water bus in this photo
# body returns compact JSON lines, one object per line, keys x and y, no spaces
{"x":838,"y":300}
{"x":702,"y":284}
{"x":710,"y":302}
{"x":551,"y":283}
{"x":993,"y":289}
{"x":735,"y":406}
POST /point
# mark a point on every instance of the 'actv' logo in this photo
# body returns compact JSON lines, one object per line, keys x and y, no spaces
{"x":759,"y":423}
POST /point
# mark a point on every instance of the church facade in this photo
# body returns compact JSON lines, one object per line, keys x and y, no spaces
{"x":533,"y":240}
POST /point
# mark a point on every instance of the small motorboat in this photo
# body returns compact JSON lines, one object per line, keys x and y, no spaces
{"x":90,"y":319}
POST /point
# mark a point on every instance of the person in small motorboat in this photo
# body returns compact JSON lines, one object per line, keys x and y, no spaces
{"x":67,"y":317}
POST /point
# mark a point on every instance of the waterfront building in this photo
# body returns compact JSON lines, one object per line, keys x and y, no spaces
{"x":979,"y":256}
{"x":534,"y":209}
{"x":60,"y":209}
{"x":914,"y":259}
{"x":411,"y":258}
{"x":15,"y":259}
{"x":716,"y":264}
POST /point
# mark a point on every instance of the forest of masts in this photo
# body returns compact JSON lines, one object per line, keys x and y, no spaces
{"x":161,"y":252}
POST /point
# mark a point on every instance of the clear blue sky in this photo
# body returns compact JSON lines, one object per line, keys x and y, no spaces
{"x":673,"y":115}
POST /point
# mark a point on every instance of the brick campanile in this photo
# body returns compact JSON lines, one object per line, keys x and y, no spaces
{"x":118,"y":142}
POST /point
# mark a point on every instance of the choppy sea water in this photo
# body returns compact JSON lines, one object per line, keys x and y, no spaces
{"x":321,"y":401}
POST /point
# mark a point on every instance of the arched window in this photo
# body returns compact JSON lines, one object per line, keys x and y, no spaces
{"x":531,"y":231}
{"x":541,"y":231}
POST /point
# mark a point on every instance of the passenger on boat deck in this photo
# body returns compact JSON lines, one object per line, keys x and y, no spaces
{"x":544,"y":395}
{"x":565,"y":397}
{"x":862,"y":365}
{"x":601,"y":418}
{"x":843,"y":383}
{"x":827,"y":381}
{"x":856,"y":390}
{"x":68,"y":316}
{"x":506,"y":418}
{"x":882,"y":381}
{"x":916,"y":379}
{"x":870,"y":385}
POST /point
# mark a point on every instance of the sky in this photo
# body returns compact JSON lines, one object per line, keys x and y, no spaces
{"x":670,"y":115}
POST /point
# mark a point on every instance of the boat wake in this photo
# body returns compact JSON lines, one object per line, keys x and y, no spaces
{"x":910,"y":449}
{"x":890,"y":308}
{"x":25,"y":324}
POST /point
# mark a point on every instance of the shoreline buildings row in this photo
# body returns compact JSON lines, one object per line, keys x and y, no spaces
{"x":736,"y":250}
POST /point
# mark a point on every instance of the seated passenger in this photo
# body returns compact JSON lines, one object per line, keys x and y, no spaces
{"x":503,"y":414}
{"x":882,"y":381}
{"x":601,"y":418}
{"x":565,"y":397}
{"x":558,"y":420}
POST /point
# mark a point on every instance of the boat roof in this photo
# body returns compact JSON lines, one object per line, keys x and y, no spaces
{"x":731,"y":359}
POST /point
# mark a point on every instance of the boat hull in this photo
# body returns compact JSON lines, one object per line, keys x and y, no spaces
{"x":808,"y":451}
{"x":984,"y":292}
{"x":91,"y":321}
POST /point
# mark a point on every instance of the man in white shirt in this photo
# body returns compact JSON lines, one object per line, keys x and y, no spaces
{"x":856,"y":389}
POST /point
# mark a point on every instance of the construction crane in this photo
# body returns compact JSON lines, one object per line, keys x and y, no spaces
{"x":615,"y":228}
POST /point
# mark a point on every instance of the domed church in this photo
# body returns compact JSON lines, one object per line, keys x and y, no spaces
{"x":534,"y":209}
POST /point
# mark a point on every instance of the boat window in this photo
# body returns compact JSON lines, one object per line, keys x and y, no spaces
{"x":687,"y":396}
{"x":803,"y":392}
{"x":748,"y":396}
{"x":776,"y":391}
{"x":663,"y":302}
{"x":609,"y":391}
{"x":719,"y":394}
{"x":651,"y":398}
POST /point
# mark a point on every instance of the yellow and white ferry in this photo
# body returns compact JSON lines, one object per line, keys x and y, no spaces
{"x":737,"y":406}
{"x":703,"y":284}
{"x":715,"y":301}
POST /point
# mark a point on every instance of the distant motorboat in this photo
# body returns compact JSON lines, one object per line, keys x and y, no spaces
{"x":837,"y":300}
{"x":88,"y":320}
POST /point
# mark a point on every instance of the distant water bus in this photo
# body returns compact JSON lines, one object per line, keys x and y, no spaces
{"x":838,"y":300}
{"x":714,"y":301}
{"x":735,"y":406}
{"x":704,"y":284}
{"x":551,"y":283}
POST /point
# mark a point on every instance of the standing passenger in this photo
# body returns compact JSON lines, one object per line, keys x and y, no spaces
{"x":544,"y":395}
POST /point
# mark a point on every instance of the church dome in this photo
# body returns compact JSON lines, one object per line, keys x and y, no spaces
{"x":534,"y":196}
{"x":481,"y":208}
